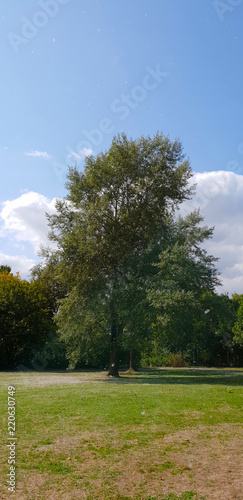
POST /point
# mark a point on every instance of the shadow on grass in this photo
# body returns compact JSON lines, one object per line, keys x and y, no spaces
{"x":181,"y":377}
{"x":155,"y":376}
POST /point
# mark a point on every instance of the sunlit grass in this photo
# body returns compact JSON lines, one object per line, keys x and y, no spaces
{"x":93,"y":430}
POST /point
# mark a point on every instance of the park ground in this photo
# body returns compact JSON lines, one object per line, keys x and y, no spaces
{"x":157,"y":434}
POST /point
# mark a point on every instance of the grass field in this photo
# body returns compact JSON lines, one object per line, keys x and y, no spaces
{"x":159,"y":434}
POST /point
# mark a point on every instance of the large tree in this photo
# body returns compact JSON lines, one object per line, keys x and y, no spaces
{"x":114,"y":209}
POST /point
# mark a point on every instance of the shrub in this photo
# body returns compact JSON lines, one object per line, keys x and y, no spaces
{"x":176,"y":360}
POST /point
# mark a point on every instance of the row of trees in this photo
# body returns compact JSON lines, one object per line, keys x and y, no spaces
{"x":128,"y":274}
{"x":30,"y":337}
{"x":28,"y":332}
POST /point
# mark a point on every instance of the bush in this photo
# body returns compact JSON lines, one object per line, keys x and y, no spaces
{"x":176,"y":360}
{"x":164,"y":358}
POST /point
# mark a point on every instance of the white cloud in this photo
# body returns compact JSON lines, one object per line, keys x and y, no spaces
{"x":39,"y":154}
{"x":220,"y":198}
{"x":24,"y":219}
{"x":18,"y":263}
{"x":86,"y":152}
{"x":76,"y":156}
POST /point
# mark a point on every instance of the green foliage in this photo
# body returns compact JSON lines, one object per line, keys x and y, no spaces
{"x":208,"y":338}
{"x":4,"y":269}
{"x":128,"y":271}
{"x":238,"y":327}
{"x":215,"y":330}
{"x":47,"y":279}
{"x":176,"y":360}
{"x":159,"y":355}
{"x":84,"y":330}
{"x":26,"y":321}
{"x":117,"y":204}
{"x":114,"y":209}
{"x":186,"y":273}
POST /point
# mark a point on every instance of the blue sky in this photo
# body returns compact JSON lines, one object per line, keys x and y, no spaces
{"x":74,"y":73}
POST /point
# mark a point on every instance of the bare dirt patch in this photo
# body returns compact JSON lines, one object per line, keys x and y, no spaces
{"x":49,"y":378}
{"x":207,"y":460}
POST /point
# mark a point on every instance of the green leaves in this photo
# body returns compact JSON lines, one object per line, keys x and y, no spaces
{"x":119,"y":202}
{"x":26,"y":321}
{"x":184,"y":273}
{"x":238,"y":327}
{"x":121,"y":253}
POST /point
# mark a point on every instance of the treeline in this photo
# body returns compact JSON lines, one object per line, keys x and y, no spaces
{"x":129,"y":282}
{"x":206,"y":333}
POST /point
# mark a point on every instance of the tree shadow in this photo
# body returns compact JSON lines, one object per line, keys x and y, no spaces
{"x":181,"y":377}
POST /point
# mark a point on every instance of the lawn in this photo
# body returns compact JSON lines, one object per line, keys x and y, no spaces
{"x":165,"y":434}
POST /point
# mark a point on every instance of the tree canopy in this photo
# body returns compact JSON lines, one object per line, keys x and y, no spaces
{"x":238,"y":327}
{"x":116,"y":224}
{"x":26,"y":320}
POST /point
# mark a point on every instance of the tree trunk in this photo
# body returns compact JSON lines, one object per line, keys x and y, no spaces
{"x":113,"y":368}
{"x":130,"y":364}
{"x":228,"y":356}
